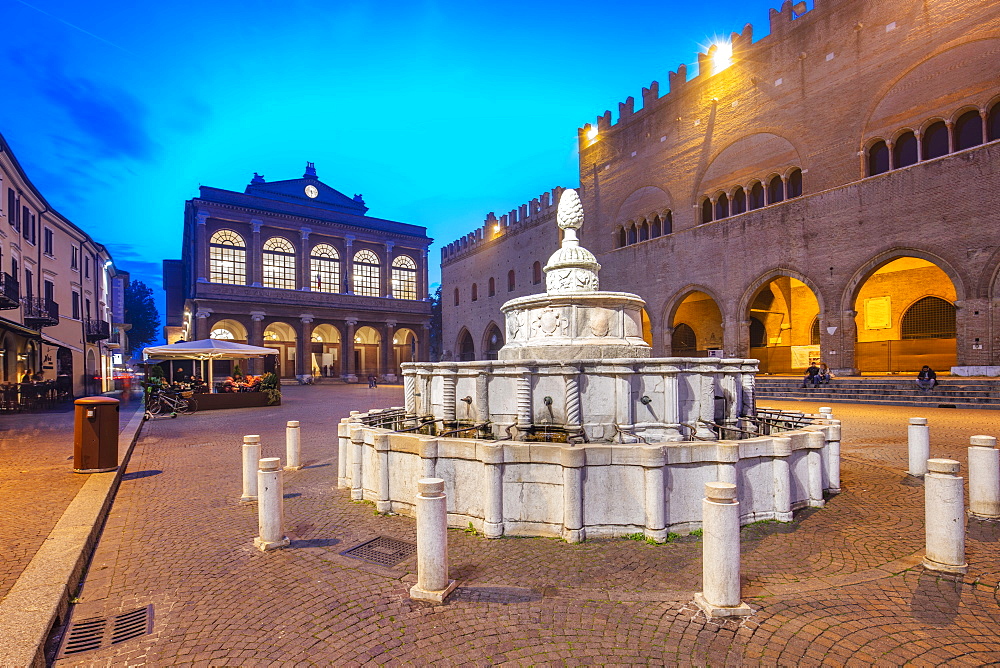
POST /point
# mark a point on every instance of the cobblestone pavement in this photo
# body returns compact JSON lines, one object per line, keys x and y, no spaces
{"x":837,"y":586}
{"x":37,"y":482}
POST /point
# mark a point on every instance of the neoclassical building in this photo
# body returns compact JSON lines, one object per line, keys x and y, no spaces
{"x":61,"y":297}
{"x":827,"y":192}
{"x":297,"y":266}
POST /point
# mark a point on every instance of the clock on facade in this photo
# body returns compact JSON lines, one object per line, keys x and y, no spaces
{"x":311,"y":191}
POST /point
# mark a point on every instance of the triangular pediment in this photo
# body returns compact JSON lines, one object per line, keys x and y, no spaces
{"x":298,"y":191}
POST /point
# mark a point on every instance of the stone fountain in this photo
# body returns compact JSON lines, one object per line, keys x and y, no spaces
{"x":575,"y":430}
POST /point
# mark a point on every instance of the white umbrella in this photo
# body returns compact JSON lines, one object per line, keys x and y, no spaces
{"x":206,"y":349}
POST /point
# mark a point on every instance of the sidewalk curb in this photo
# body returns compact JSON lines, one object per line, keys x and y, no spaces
{"x":40,"y":598}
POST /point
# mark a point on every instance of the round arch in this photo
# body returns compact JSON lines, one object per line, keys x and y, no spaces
{"x":281,"y":337}
{"x":465,"y":346}
{"x":780,"y":308}
{"x":367,"y":351}
{"x":700,"y":310}
{"x":229,"y":329}
{"x":325,"y":350}
{"x":865,"y":271}
{"x":405,"y":345}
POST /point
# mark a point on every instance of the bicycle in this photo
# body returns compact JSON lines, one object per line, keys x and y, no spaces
{"x":172,"y":403}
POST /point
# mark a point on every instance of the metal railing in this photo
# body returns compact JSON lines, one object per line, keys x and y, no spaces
{"x":40,"y":312}
{"x":10,"y":292}
{"x":97,"y":330}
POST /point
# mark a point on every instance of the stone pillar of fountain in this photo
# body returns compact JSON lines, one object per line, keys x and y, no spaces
{"x":492,"y":458}
{"x":449,"y":380}
{"x":409,"y":390}
{"x":671,"y":399}
{"x":654,"y":461}
{"x":782,"y":447}
{"x":572,"y":384}
{"x":729,"y":384}
{"x":706,"y":405}
{"x":814,"y":467}
{"x":573,"y":460}
{"x":357,"y":450}
{"x":482,"y":397}
{"x":524,"y":413}
{"x":428,"y":456}
{"x":833,"y":457}
{"x":383,"y":504}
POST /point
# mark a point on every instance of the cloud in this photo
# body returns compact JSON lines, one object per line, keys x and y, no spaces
{"x":110,"y":120}
{"x":140,"y":263}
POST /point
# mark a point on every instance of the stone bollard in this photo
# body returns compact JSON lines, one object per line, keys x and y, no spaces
{"x":944,"y":510}
{"x":433,"y":584}
{"x":984,"y":478}
{"x":293,"y":446}
{"x":251,"y":455}
{"x":826,"y":412}
{"x":919,"y":444}
{"x":721,"y":553}
{"x":270,"y":507}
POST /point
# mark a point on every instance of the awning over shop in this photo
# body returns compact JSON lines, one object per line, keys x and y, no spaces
{"x":206,"y":349}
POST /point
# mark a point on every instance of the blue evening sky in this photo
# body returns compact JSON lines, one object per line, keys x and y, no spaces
{"x":437,"y":111}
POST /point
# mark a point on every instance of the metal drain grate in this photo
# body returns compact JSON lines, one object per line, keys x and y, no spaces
{"x":382,"y":551}
{"x":96,"y":632}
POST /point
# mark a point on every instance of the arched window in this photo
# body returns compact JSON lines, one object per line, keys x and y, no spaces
{"x":878,"y":158}
{"x":367,"y":274}
{"x":668,"y":223}
{"x":758,"y":333}
{"x":756,"y":198}
{"x":492,"y":286}
{"x":935,"y":140}
{"x":968,"y":130}
{"x":633,"y":235}
{"x":656,"y":229}
{"x":794,"y":185}
{"x":621,"y":236}
{"x":221,"y":333}
{"x":683,"y":343}
{"x":279,"y":264}
{"x":227,"y":256}
{"x":929,"y":318}
{"x":814,"y":333}
{"x":475,"y":292}
{"x":775,"y":190}
{"x":904,"y":153}
{"x":494,"y":342}
{"x":404,"y":278}
{"x":324,"y":268}
{"x":536,"y":273}
{"x":706,"y":211}
{"x":456,"y":296}
{"x":739,"y":201}
{"x":466,"y":347}
{"x":993,"y":123}
{"x":644,"y":231}
{"x":510,"y":281}
{"x":722,"y":207}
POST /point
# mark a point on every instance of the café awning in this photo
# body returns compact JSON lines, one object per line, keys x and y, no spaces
{"x":206,"y":349}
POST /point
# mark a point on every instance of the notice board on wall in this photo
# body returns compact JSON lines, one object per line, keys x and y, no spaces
{"x":878,"y":313}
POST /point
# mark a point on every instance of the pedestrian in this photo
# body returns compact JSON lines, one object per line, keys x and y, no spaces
{"x":371,"y":381}
{"x":926,"y":379}
{"x":812,"y":375}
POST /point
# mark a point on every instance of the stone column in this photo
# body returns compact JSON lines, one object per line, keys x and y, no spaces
{"x":409,"y":392}
{"x":428,"y":449}
{"x":293,"y":446}
{"x":729,"y":456}
{"x":357,"y":452}
{"x":721,"y":553}
{"x":303,"y":348}
{"x":671,"y":406}
{"x":731,"y":395}
{"x":492,"y":458}
{"x":251,"y":455}
{"x":302,"y":255}
{"x":449,"y":378}
{"x":383,"y":503}
{"x":350,"y":373}
{"x":389,"y":352}
{"x":387,"y":272}
{"x":423,"y":291}
{"x":201,"y":326}
{"x":524,"y":413}
{"x":573,"y":461}
{"x":433,"y":584}
{"x":847,"y":365}
{"x":255,"y":365}
{"x":706,"y":403}
{"x":255,"y":256}
{"x":203,"y":265}
{"x":654,"y":462}
{"x":833,"y":456}
{"x":782,"y":478}
{"x":572,"y":389}
{"x":984,"y":478}
{"x":349,"y":264}
{"x":920,"y":144}
{"x":951,"y":135}
{"x":482,"y":397}
{"x":919,"y":446}
{"x":944,"y":509}
{"x":270,"y":507}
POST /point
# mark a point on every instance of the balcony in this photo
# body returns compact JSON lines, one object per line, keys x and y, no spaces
{"x":10,"y":293}
{"x":97,"y":330}
{"x":39,"y":312}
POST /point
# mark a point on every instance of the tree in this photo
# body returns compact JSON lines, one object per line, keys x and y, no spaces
{"x":141,"y":313}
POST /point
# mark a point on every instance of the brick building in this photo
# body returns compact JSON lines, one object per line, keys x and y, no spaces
{"x":298,"y":266}
{"x":61,"y":297}
{"x":830,"y":191}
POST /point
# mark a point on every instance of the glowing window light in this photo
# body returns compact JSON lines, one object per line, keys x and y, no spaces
{"x":592,"y":133}
{"x":723,"y":56}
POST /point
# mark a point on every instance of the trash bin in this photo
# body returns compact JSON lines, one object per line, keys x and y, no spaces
{"x":95,"y":435}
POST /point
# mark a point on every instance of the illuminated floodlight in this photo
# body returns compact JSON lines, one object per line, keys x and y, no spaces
{"x":496,"y":229}
{"x":723,"y":56}
{"x":592,"y":133}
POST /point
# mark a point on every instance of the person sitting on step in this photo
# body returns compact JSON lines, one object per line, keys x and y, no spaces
{"x":812,"y":376}
{"x":926,"y":379}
